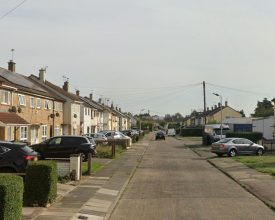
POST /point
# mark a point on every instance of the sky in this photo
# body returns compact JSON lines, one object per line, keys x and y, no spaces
{"x":147,"y":55}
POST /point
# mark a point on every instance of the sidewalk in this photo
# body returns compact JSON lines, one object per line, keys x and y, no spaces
{"x":94,"y":197}
{"x":259,"y":184}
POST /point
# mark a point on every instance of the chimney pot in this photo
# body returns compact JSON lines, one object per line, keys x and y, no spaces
{"x":99,"y":100}
{"x":77,"y":92}
{"x":91,"y":96}
{"x":11,"y":66}
{"x":66,"y":86}
{"x":226,"y":103}
{"x":42,"y":74}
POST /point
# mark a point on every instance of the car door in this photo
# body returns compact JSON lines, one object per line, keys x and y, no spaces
{"x":239,"y":144}
{"x":250,"y":146}
{"x":4,"y":159}
{"x":53,"y":148}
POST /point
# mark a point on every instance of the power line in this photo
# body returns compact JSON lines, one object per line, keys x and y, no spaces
{"x":10,"y":11}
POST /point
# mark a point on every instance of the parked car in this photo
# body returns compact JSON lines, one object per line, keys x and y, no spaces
{"x":160,"y":135}
{"x":130,"y":133}
{"x":14,"y":157}
{"x":64,"y":146}
{"x":99,"y":138}
{"x":236,"y":146}
{"x":114,"y":135}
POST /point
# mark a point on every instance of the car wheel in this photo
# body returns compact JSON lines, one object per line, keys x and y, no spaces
{"x":232,"y":153}
{"x":260,"y":152}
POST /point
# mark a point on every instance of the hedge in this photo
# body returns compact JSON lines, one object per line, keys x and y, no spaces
{"x":253,"y":136}
{"x":191,"y":132}
{"x":11,"y":197}
{"x":40,"y":183}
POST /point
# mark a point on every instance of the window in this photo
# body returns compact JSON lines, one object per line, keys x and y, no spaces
{"x":57,"y":130}
{"x":55,"y":141}
{"x":47,"y":104}
{"x":32,"y":102}
{"x":56,"y":106}
{"x":44,"y":132}
{"x":23,"y":133}
{"x":5,"y":97}
{"x":4,"y":150}
{"x":21,"y":99}
{"x":61,"y":107}
{"x":38,"y":103}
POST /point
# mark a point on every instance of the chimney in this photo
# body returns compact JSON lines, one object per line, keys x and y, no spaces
{"x":226,"y":103}
{"x":216,"y":106}
{"x":212,"y":108}
{"x":11,"y":66}
{"x":219,"y":104}
{"x":112,"y":106}
{"x":77,"y":92}
{"x":91,"y":96}
{"x":42,"y":74}
{"x":119,"y":109}
{"x":99,"y":100}
{"x":66,"y":86}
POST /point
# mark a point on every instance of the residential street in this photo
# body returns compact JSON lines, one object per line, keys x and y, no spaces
{"x":172,"y":182}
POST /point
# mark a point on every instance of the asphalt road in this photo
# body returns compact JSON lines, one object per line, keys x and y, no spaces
{"x":172,"y":182}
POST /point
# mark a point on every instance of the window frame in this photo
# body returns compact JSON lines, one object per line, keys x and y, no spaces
{"x":23,"y":133}
{"x":21,"y":100}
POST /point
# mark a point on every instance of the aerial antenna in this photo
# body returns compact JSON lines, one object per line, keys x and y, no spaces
{"x":12,"y":53}
{"x":65,"y":78}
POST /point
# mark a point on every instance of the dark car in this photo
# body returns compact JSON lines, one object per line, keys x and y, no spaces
{"x":64,"y":146}
{"x":14,"y":157}
{"x":160,"y":135}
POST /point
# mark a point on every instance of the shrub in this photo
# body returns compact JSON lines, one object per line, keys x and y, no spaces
{"x":191,"y":132}
{"x":11,"y":197}
{"x":253,"y":136}
{"x":40,"y":183}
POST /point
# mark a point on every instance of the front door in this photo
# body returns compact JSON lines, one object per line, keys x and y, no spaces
{"x":34,"y":135}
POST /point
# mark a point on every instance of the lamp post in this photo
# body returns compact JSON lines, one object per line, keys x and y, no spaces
{"x":141,"y":110}
{"x":216,"y":94}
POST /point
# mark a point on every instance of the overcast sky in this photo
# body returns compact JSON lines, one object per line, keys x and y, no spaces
{"x":147,"y":54}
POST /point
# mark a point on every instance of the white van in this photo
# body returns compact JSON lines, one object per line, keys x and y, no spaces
{"x":212,"y":133}
{"x":171,"y":132}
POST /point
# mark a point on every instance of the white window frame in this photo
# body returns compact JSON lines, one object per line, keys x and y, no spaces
{"x":23,"y":133}
{"x":21,"y":100}
{"x":47,"y":104}
{"x":57,"y":130}
{"x":55,"y":107}
{"x":44,"y":132}
{"x":5,"y":99}
{"x":38,"y":103}
{"x":32,"y":102}
{"x":61,"y":107}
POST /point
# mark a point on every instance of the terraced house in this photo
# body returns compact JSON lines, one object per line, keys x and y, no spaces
{"x":28,"y":112}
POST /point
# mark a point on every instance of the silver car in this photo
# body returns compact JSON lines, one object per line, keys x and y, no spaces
{"x":236,"y":146}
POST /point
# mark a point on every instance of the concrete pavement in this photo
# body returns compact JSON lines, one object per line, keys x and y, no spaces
{"x":259,"y":184}
{"x":137,"y":184}
{"x":95,"y":196}
{"x":172,"y":182}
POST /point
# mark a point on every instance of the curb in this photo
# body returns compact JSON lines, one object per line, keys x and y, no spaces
{"x":115,"y":203}
{"x":247,"y":188}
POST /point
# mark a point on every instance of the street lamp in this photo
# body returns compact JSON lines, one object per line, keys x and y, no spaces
{"x":141,"y":110}
{"x":216,"y":94}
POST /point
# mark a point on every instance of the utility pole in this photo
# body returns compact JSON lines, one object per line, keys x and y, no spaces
{"x":204,"y":102}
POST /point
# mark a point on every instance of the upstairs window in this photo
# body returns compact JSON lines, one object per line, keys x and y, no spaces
{"x":47,"y":104}
{"x":56,"y":106}
{"x":32,"y":102}
{"x":38,"y":103}
{"x":22,"y":100}
{"x":5,"y":97}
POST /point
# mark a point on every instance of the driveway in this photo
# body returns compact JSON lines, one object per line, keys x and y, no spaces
{"x":172,"y":182}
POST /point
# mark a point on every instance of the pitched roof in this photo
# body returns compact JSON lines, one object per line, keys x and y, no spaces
{"x":12,"y":119}
{"x":21,"y":82}
{"x":57,"y":89}
{"x":92,"y":103}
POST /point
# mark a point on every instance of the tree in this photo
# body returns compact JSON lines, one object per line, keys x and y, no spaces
{"x":242,"y":113}
{"x":263,"y":109}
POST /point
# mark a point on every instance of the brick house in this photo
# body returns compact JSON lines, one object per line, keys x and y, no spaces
{"x":72,"y":103}
{"x":28,"y":112}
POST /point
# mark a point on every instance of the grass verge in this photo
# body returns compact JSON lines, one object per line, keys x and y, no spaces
{"x":264,"y":164}
{"x":95,"y":167}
